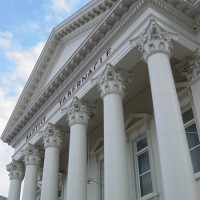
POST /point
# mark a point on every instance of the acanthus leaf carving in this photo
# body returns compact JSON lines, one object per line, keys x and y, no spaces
{"x":190,"y":67}
{"x":78,"y":112}
{"x":16,"y":169}
{"x":31,"y":155}
{"x":52,"y":136}
{"x":112,"y":81}
{"x":154,"y":39}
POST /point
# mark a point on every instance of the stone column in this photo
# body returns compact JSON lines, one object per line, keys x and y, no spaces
{"x":52,"y":145}
{"x":77,"y":165}
{"x":32,"y":160}
{"x":190,"y":68}
{"x":16,"y":173}
{"x":176,"y":168}
{"x":116,"y":185}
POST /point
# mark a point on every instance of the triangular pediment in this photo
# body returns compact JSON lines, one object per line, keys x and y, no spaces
{"x":65,"y":50}
{"x":64,"y":39}
{"x":62,"y":57}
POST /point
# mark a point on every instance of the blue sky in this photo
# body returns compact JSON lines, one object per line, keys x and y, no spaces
{"x":24,"y":28}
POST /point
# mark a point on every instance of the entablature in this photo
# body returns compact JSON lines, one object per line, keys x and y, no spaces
{"x":87,"y":53}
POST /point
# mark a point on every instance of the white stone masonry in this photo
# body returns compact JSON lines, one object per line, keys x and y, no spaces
{"x":116,"y":185}
{"x":32,"y":161}
{"x":52,"y":145}
{"x":176,"y":168}
{"x":16,"y":174}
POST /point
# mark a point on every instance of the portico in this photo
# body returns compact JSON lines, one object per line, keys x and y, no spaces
{"x":109,"y":118}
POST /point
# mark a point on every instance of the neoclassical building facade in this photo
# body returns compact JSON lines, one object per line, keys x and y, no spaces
{"x":111,"y":110}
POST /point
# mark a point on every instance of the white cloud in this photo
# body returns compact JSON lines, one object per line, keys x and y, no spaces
{"x":24,"y":60}
{"x":5,"y":38}
{"x":34,"y":26}
{"x":5,"y":155}
{"x":12,"y":82}
{"x":11,"y":86}
{"x":60,"y":9}
{"x":60,"y":5}
{"x":6,"y":34}
{"x":4,"y":43}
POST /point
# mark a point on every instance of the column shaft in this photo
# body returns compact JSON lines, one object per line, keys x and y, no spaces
{"x":30,"y":183}
{"x":78,"y":115}
{"x":116,"y":184}
{"x":115,"y":159}
{"x":52,"y":144}
{"x":14,"y":189}
{"x":176,"y":168}
{"x":77,"y":167}
{"x":32,"y":160}
{"x":50,"y":174}
{"x":16,"y":174}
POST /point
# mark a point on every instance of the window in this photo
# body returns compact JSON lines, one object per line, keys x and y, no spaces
{"x":192,"y":138}
{"x":101,"y":179}
{"x":143,"y":166}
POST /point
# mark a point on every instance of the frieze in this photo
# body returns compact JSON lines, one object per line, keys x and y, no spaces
{"x":133,"y":12}
{"x":34,"y":130}
{"x":84,"y":77}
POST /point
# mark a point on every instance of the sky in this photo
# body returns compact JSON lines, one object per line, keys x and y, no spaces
{"x":24,"y":28}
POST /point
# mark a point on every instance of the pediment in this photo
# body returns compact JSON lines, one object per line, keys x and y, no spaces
{"x":89,"y":16}
{"x":50,"y":72}
{"x":65,"y":50}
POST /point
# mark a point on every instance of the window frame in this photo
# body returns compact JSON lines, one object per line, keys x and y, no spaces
{"x":136,"y":166}
{"x":137,"y":133}
{"x":187,"y":124}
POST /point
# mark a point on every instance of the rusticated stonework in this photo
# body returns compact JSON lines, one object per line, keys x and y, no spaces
{"x":112,"y":81}
{"x":16,"y":169}
{"x":31,"y":155}
{"x":52,"y":136}
{"x":190,"y":68}
{"x":77,"y":112}
{"x":153,"y":40}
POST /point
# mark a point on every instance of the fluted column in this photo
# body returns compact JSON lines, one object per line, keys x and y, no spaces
{"x":16,"y":174}
{"x":52,"y":145}
{"x":116,"y":184}
{"x":176,"y":168}
{"x":190,"y":68}
{"x":77,"y":114}
{"x":32,"y":160}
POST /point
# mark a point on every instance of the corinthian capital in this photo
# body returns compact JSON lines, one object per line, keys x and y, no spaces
{"x":190,"y":68}
{"x":52,"y":136}
{"x":31,"y":155}
{"x":77,"y":112}
{"x":154,"y":39}
{"x":112,"y":81}
{"x":15,"y":169}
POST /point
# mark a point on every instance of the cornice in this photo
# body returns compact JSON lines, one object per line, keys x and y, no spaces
{"x":172,"y":10}
{"x":72,"y":25}
{"x":190,"y":8}
{"x":67,"y":38}
{"x":89,"y":50}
